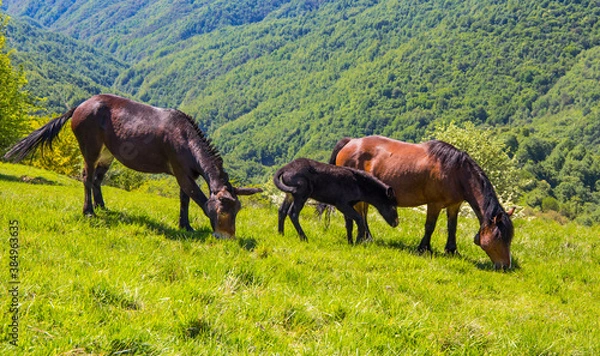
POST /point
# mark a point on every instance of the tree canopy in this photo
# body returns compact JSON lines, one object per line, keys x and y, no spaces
{"x":14,"y":101}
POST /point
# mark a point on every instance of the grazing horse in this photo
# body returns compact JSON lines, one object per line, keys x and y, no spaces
{"x":146,"y":139}
{"x":342,"y":187}
{"x":439,"y":175}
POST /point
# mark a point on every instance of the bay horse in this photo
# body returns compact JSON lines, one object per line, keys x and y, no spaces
{"x":439,"y":175}
{"x":146,"y":139}
{"x":341,"y":187}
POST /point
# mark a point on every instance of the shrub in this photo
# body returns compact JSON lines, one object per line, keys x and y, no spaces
{"x":490,"y":152}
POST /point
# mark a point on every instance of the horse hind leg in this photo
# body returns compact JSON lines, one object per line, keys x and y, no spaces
{"x":89,"y":177}
{"x":294,"y":214}
{"x":101,"y":168}
{"x":284,"y":211}
{"x":89,"y":171}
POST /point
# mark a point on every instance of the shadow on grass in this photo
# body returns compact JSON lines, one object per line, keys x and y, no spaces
{"x":249,"y":244}
{"x":27,"y":179}
{"x":105,"y":217}
{"x":412,"y":249}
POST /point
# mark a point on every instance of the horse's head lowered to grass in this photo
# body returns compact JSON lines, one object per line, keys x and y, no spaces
{"x":222,"y":208}
{"x":495,"y":236}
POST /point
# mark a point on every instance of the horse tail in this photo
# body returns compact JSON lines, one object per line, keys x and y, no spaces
{"x":41,"y":137}
{"x":280,"y":185}
{"x":338,"y":147}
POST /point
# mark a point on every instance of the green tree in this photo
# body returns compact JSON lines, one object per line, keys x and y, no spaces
{"x":14,"y":102}
{"x":490,"y":152}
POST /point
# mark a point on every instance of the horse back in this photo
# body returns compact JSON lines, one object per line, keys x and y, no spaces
{"x":417,"y":177}
{"x":138,"y":135}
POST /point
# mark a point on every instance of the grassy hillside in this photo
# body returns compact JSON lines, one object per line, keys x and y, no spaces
{"x":128,"y":281}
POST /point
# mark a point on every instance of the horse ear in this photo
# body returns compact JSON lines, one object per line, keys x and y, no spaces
{"x":511,"y":211}
{"x":247,"y":191}
{"x":498,"y":217}
{"x":390,"y":193}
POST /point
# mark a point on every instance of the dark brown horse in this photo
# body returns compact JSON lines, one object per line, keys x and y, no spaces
{"x":146,"y":139}
{"x":439,"y":175}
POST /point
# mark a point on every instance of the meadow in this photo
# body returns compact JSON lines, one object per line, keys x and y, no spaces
{"x":130,"y":282}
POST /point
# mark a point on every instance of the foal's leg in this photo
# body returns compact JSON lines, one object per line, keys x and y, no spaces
{"x":363,"y":210}
{"x":433,"y":211}
{"x":283,"y":212}
{"x":350,"y":214}
{"x":349,"y":226}
{"x":294,"y":214}
{"x":452,"y":213}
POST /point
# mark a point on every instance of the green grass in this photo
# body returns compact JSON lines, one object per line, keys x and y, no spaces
{"x":129,"y":282}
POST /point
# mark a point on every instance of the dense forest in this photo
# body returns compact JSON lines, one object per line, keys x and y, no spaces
{"x":273,"y":80}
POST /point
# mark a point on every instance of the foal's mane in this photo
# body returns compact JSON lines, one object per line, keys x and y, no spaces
{"x":452,"y":159}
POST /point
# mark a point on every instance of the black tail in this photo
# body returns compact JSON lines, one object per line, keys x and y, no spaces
{"x":40,"y":137}
{"x":280,"y":185}
{"x":338,"y":147}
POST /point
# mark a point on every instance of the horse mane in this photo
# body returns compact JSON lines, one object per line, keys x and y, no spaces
{"x":207,"y":143}
{"x":451,"y":158}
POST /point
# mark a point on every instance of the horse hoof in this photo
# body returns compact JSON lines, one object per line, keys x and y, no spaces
{"x":452,"y":251}
{"x":423,"y":250}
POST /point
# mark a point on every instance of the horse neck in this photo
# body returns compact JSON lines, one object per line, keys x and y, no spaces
{"x":211,"y":169}
{"x":374,"y":189}
{"x":480,"y":194}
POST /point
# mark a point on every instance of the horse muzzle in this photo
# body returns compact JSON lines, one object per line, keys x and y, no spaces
{"x":223,"y":235}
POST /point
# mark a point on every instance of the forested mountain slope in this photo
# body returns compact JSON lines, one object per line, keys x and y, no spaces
{"x":128,"y":27}
{"x":59,"y":68}
{"x":273,"y":80}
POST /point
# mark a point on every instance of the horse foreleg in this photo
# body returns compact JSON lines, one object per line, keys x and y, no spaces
{"x":433,"y":211}
{"x":350,"y":215}
{"x":184,"y":207}
{"x":349,"y":226}
{"x":190,"y":189}
{"x":283,"y":212}
{"x":363,"y":211}
{"x":452,"y":214}
{"x":294,"y":213}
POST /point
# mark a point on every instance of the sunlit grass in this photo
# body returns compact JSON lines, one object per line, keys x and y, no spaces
{"x":130,"y":282}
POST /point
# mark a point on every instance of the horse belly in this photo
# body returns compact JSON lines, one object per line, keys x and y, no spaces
{"x":139,"y":157}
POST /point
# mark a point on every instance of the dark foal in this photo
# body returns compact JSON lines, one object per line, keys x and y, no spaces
{"x":341,"y":187}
